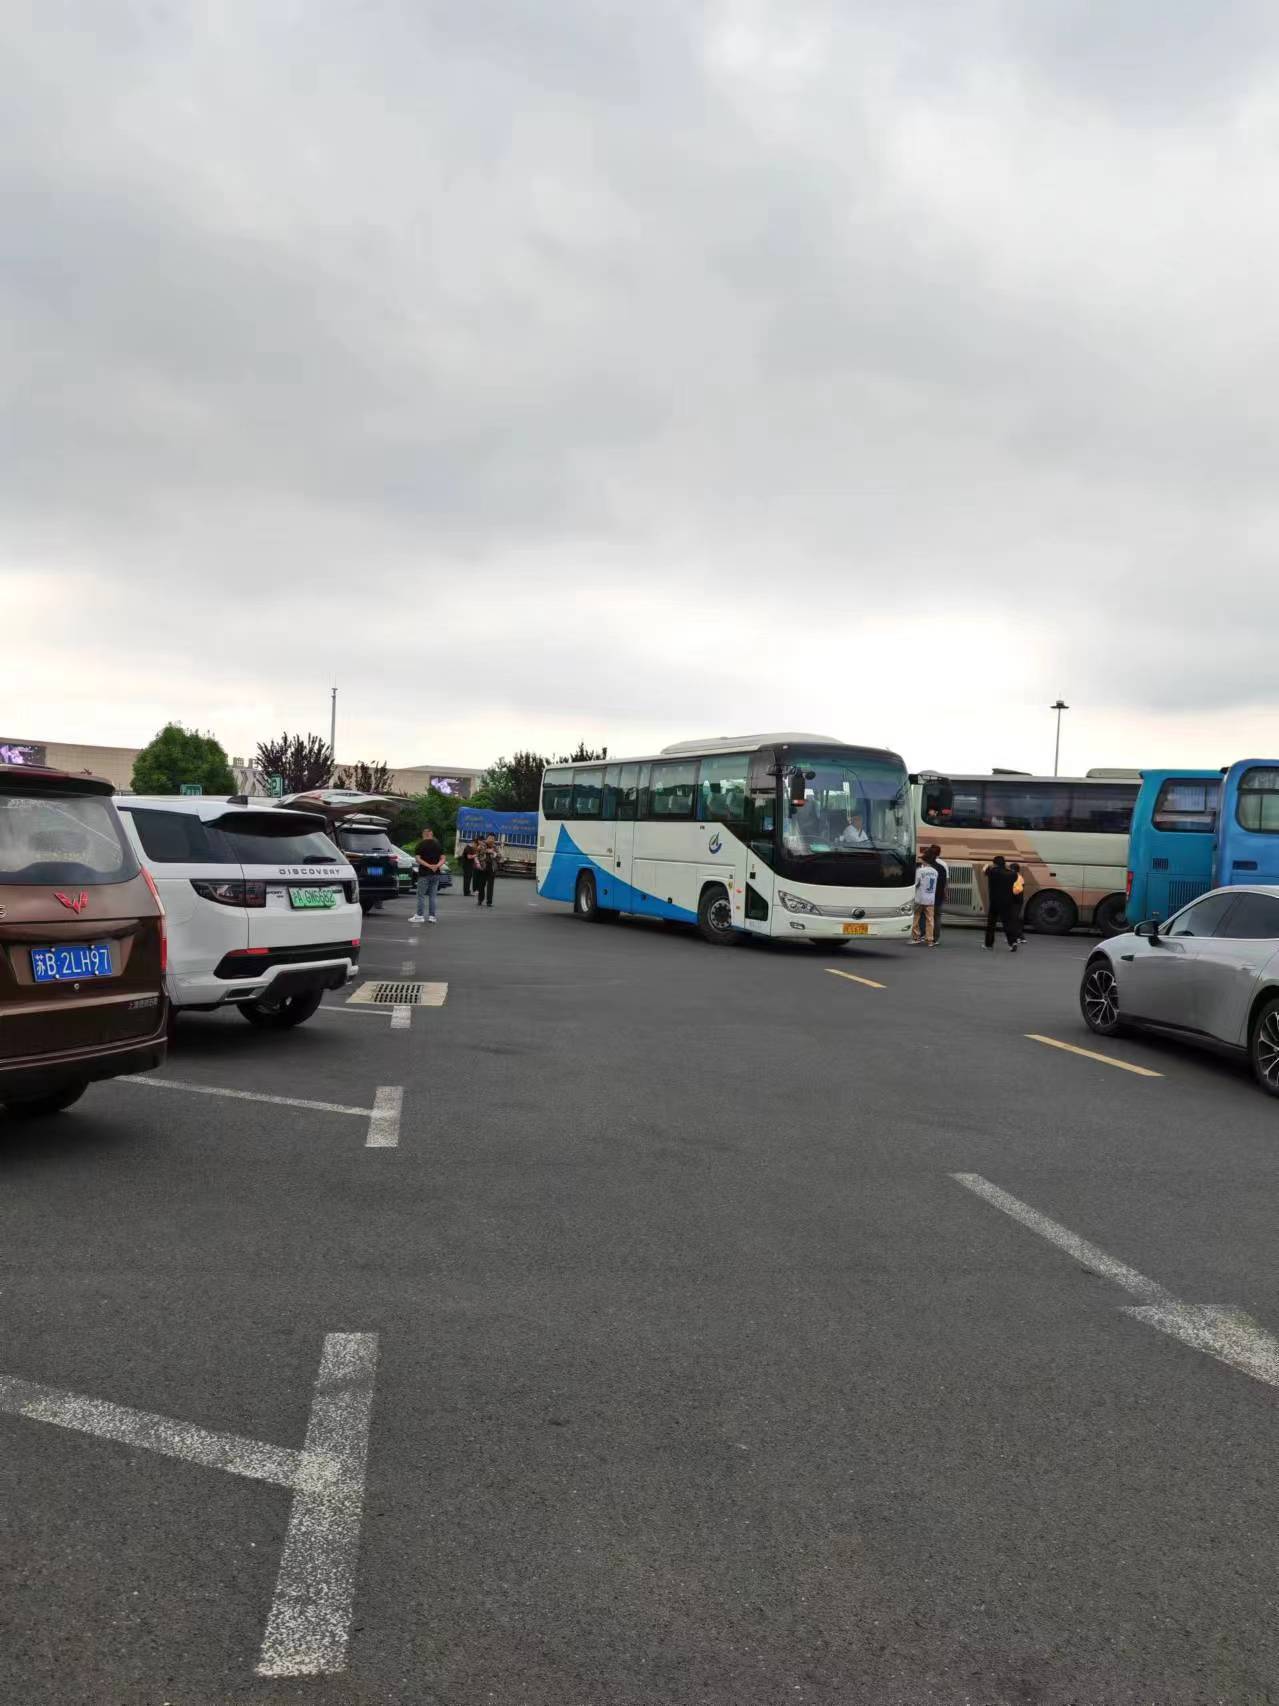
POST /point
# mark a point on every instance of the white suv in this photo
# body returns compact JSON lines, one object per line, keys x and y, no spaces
{"x":263,"y":910}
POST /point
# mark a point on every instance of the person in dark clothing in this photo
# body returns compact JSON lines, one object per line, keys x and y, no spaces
{"x":933,"y":856}
{"x":485,"y":870}
{"x":468,"y":864}
{"x":999,"y":902}
{"x":1019,"y":901}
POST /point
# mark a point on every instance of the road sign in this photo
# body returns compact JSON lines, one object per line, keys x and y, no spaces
{"x":193,"y":787}
{"x":275,"y":786}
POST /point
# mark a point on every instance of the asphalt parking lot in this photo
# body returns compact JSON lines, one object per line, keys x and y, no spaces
{"x":646,"y":1322}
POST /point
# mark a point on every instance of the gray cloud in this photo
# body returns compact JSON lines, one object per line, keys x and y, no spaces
{"x":520,"y":333}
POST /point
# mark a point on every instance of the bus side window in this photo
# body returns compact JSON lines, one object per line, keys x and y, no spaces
{"x":721,"y":789}
{"x":612,"y":792}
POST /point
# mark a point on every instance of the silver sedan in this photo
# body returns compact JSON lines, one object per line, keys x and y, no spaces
{"x":1209,"y":975}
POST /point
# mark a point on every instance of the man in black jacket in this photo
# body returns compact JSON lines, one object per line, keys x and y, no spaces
{"x":999,"y":902}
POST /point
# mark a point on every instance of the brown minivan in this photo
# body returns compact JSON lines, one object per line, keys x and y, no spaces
{"x":82,"y":943}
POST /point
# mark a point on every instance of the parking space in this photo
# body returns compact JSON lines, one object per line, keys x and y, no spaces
{"x":719,"y":1328}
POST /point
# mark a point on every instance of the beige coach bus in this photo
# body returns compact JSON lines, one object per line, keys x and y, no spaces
{"x":1069,"y":834}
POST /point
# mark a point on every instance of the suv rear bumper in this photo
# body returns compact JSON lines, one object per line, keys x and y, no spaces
{"x":250,"y":977}
{"x":23,"y":1079}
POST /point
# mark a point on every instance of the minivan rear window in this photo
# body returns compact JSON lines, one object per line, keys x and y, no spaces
{"x":62,"y":838}
{"x":182,"y":838}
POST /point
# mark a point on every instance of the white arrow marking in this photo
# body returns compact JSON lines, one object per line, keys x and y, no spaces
{"x":1230,"y":1335}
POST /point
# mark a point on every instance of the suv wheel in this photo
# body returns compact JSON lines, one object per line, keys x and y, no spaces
{"x":284,"y":1013}
{"x":34,"y":1107}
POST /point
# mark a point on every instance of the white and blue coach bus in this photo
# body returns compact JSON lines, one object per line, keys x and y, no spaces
{"x":789,"y":835}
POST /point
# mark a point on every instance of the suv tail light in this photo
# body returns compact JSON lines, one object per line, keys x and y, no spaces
{"x":352,"y":892}
{"x":230,"y":891}
{"x":1128,"y":886}
{"x":164,"y":921}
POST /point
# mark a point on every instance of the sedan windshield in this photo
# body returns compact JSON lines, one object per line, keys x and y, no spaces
{"x":851,"y":804}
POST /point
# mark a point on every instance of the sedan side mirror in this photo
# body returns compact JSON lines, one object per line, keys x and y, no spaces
{"x":1149,"y":929}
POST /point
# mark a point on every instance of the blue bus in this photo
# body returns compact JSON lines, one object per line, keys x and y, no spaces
{"x":1247,"y":840}
{"x":1171,"y":842}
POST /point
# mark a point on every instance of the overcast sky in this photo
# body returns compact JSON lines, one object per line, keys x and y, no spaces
{"x":544,"y":369}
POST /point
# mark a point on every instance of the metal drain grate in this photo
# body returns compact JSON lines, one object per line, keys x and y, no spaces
{"x":400,"y":995}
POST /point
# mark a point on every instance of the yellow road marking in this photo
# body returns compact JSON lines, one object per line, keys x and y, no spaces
{"x":853,"y":978}
{"x":1091,"y":1054}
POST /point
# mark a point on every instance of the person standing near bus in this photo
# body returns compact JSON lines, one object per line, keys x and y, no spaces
{"x":1019,"y":901}
{"x":485,"y":870}
{"x":468,"y":856}
{"x":922,"y":931}
{"x":934,"y":858}
{"x":999,"y":902}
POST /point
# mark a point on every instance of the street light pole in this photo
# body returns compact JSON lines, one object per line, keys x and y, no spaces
{"x":1059,"y":707}
{"x":333,"y":727}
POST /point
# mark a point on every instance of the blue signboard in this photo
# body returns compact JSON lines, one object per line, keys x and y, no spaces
{"x":518,"y":829}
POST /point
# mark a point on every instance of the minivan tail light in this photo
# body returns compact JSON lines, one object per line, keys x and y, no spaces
{"x":230,"y":891}
{"x":164,"y":921}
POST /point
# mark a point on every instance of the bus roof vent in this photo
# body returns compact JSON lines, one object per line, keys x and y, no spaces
{"x":1113,"y":775}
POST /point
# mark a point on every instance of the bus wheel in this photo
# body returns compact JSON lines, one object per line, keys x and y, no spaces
{"x":1111,"y":916}
{"x":585,"y":903}
{"x":715,"y":915}
{"x":1052,"y":914}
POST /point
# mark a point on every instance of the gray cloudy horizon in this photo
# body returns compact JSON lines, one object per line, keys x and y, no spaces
{"x":589,"y":370}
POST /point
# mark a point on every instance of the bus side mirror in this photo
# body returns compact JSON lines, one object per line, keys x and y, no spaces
{"x":797,"y":795}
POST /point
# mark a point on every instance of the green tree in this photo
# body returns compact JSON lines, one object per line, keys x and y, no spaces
{"x":583,"y":755}
{"x":179,"y":755}
{"x":364,"y":778}
{"x":433,"y":807}
{"x":497,"y":788}
{"x":302,"y":763}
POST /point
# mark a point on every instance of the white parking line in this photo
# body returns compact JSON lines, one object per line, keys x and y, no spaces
{"x":154,"y":1083}
{"x":248,"y":1457}
{"x":406,"y":967}
{"x":401,"y":1018}
{"x":384,"y":1121}
{"x":1228,"y":1334}
{"x":310,"y":1619}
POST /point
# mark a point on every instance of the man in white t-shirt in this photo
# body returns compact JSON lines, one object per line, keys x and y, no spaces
{"x":923,"y":930}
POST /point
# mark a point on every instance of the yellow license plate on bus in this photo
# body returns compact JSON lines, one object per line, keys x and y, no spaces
{"x":857,"y":929}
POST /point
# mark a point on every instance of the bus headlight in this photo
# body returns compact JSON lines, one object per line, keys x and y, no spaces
{"x":907,"y":907}
{"x":794,"y":903}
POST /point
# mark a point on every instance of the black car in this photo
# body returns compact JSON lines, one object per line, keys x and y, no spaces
{"x":368,"y":847}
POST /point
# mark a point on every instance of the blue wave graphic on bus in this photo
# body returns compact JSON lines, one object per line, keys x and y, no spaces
{"x":714,"y":844}
{"x":568,"y":862}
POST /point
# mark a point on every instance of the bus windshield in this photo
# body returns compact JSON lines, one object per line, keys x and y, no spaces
{"x":852,"y":803}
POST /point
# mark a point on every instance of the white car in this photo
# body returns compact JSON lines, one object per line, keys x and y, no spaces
{"x":263,"y":910}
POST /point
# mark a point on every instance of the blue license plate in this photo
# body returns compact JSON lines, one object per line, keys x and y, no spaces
{"x":69,"y":964}
{"x":374,"y":870}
